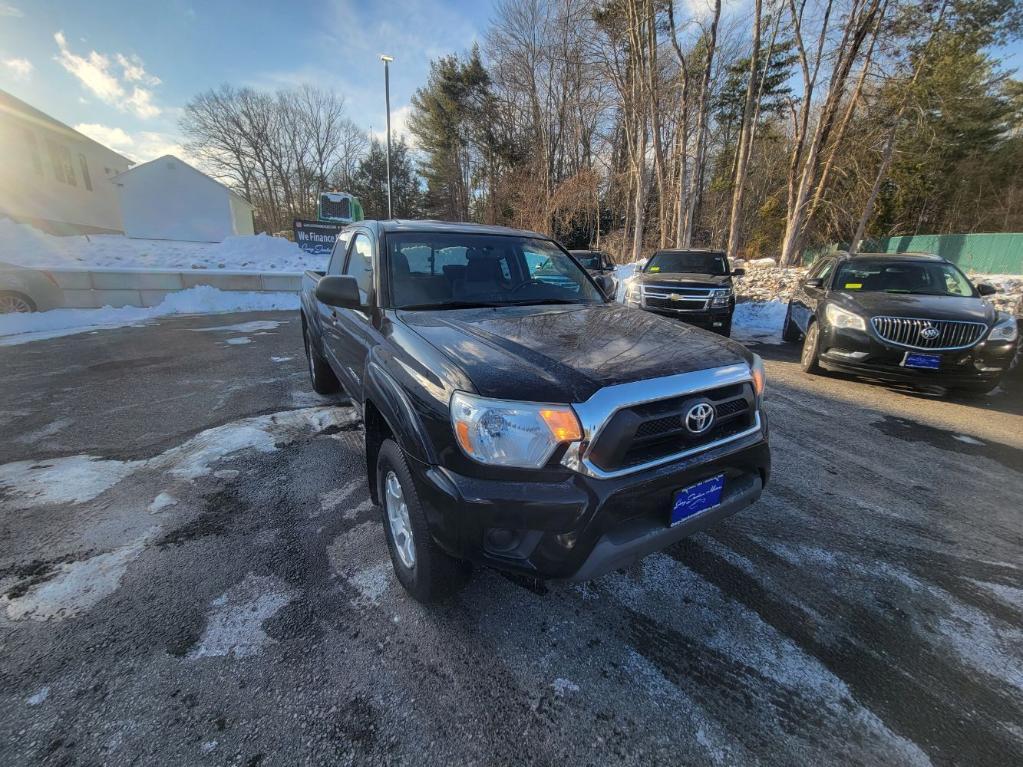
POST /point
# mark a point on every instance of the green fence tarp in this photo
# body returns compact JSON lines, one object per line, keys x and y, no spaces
{"x":983,"y":253}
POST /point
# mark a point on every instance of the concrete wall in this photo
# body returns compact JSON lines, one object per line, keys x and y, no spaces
{"x":94,"y":288}
{"x":241,"y":215}
{"x":47,"y":171}
{"x":166,"y":199}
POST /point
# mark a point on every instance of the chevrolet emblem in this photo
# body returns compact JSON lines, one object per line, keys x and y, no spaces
{"x":675,"y":297}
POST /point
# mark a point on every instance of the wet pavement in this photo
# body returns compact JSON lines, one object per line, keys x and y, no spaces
{"x":191,"y":572}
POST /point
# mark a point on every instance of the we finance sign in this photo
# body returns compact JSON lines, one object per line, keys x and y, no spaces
{"x":316,"y":237}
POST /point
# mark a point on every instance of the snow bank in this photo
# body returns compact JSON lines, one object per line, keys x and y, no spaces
{"x":759,"y":321}
{"x":22,"y":328}
{"x":26,"y":246}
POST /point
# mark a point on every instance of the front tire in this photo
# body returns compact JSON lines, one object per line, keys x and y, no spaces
{"x":321,"y":376}
{"x":423,"y":569}
{"x":12,"y":302}
{"x":790,"y":332}
{"x":809,"y":360}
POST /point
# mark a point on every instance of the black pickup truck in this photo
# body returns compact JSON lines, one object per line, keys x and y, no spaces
{"x":515,"y":416}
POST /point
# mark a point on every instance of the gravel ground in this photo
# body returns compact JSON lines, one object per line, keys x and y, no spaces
{"x":191,"y":573}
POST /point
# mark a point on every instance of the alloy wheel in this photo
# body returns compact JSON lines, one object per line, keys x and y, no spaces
{"x":397,"y":517}
{"x":14,"y":304}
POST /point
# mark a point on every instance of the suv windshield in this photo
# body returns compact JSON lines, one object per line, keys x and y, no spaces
{"x":588,"y":259}
{"x":931,"y":278}
{"x":691,"y":262}
{"x":449,"y":270}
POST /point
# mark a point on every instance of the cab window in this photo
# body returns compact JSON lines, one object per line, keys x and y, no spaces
{"x":360,"y":266}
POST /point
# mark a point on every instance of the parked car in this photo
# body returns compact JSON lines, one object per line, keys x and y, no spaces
{"x":600,"y":267}
{"x":516,"y":417}
{"x":28,"y":290}
{"x":690,"y":285}
{"x":900,"y":317}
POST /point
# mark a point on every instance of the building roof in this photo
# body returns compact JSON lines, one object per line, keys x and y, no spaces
{"x":16,"y":106}
{"x":191,"y":168}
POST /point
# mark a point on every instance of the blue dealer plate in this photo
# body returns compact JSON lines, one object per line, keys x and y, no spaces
{"x":696,"y":498}
{"x":925,"y":361}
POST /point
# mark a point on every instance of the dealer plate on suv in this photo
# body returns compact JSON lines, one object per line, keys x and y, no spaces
{"x":925,"y":361}
{"x":690,"y":501}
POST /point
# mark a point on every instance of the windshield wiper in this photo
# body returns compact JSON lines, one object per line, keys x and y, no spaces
{"x":452,"y":305}
{"x":535,"y":301}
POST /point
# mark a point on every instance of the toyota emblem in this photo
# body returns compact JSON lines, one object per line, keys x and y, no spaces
{"x":699,"y":418}
{"x":928,"y":332}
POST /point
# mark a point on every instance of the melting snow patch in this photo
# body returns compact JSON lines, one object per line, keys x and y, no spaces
{"x":243,"y":327}
{"x":281,"y":359}
{"x":334,"y":498}
{"x":39,"y":697}
{"x":161,"y":502}
{"x":235,"y":625}
{"x":75,"y":479}
{"x":563,"y":687}
{"x":77,"y":587}
{"x":967,"y":439}
{"x":239,"y":341}
{"x":759,"y":321}
{"x":372,"y":582}
{"x":227,"y":474}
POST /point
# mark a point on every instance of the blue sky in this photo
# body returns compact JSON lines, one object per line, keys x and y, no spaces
{"x":121,"y":70}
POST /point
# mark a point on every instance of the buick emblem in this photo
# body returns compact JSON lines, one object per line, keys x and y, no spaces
{"x":928,"y":332}
{"x":699,"y":418}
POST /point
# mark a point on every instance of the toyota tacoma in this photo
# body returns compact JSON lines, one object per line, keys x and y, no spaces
{"x":514,"y":416}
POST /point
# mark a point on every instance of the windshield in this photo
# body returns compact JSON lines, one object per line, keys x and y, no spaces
{"x":588,"y":259}
{"x":691,"y":262}
{"x":926,"y":278}
{"x":453,"y":270}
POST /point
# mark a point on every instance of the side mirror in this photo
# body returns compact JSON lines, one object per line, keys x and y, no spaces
{"x":815,"y":282}
{"x":986,"y":290}
{"x":738,"y":272}
{"x":339,"y":291}
{"x":606,"y":285}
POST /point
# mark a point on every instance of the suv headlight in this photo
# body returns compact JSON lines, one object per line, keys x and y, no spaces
{"x":720,"y":297}
{"x":632,"y":294}
{"x":840,"y":318}
{"x":506,"y":433}
{"x":1006,"y":330}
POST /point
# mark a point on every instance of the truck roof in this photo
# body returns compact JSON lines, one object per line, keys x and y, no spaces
{"x":426,"y":225}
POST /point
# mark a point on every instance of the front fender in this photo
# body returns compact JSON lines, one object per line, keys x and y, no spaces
{"x":397,"y":411}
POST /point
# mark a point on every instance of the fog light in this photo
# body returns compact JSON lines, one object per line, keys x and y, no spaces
{"x":500,"y":540}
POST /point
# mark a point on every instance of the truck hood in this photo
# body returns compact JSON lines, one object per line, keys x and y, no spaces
{"x":566,"y":353}
{"x":875,"y":304}
{"x":682,"y":279}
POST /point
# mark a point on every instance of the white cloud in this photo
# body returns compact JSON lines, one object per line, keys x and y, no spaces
{"x":141,"y":146}
{"x":20,"y":69}
{"x":399,"y":126}
{"x":9,"y":10}
{"x":99,"y":75}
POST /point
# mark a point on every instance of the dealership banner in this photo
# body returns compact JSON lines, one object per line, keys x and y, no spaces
{"x":316,"y":237}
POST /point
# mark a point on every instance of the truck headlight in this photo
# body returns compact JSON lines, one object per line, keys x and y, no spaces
{"x":1006,"y":330}
{"x":759,"y":375}
{"x":632,"y":294}
{"x":506,"y":433}
{"x":720,"y":297}
{"x":840,"y":318}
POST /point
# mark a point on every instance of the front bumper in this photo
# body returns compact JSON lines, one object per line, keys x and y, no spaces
{"x":580,"y":527}
{"x":711,"y":319}
{"x":863,"y":353}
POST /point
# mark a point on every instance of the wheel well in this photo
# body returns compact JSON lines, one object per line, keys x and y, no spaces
{"x":377,"y":431}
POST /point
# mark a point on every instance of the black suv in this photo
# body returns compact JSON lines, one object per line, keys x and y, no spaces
{"x":516,"y":417}
{"x":690,"y":285}
{"x":900,"y":317}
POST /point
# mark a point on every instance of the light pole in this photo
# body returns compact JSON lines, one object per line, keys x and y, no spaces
{"x":387,"y":100}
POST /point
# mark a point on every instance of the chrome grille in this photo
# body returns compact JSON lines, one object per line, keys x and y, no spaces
{"x":936,"y":335}
{"x":688,"y":298}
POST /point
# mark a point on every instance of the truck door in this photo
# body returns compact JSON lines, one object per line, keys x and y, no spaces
{"x":352,"y":331}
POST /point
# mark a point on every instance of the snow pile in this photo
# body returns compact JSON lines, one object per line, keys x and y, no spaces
{"x":26,"y":246}
{"x":22,"y":328}
{"x":759,"y":321}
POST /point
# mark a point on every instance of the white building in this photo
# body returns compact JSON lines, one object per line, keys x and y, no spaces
{"x":52,"y":176}
{"x":168,"y":199}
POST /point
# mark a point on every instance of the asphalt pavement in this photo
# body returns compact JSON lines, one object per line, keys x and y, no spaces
{"x":191,"y":572}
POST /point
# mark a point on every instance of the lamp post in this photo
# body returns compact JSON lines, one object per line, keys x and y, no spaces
{"x":387,"y":100}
